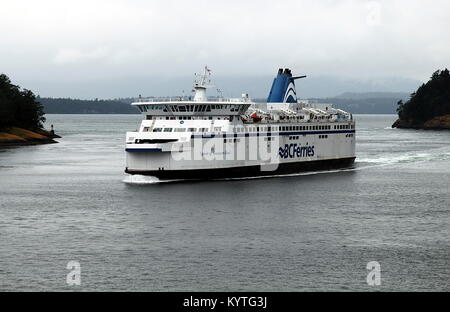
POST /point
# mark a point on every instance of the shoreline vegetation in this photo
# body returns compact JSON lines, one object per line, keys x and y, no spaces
{"x":21,"y":117}
{"x":429,"y":107}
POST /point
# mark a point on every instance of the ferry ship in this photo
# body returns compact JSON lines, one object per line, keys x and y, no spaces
{"x":215,"y":138}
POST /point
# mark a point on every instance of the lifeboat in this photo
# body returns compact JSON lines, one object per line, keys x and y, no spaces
{"x":256,"y":117}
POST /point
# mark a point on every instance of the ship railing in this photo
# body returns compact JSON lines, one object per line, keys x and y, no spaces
{"x":302,"y":121}
{"x":190,"y":99}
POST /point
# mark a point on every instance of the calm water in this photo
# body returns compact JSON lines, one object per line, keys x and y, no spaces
{"x":69,"y":201}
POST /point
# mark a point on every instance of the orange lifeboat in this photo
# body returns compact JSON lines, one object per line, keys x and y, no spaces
{"x":256,"y":117}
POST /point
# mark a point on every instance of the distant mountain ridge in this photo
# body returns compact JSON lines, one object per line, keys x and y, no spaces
{"x":257,"y":86}
{"x":373,"y":95}
{"x":367,"y":102}
{"x":362,"y":103}
{"x":76,"y":106}
{"x":356,"y":103}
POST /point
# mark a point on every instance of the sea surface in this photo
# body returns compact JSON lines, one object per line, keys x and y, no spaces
{"x":71,"y":201}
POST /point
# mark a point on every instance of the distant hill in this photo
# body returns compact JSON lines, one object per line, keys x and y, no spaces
{"x":75,"y":106}
{"x":257,"y":86}
{"x":356,"y":103}
{"x":373,"y":95}
{"x":362,"y":103}
{"x":364,"y":106}
{"x":367,"y":102}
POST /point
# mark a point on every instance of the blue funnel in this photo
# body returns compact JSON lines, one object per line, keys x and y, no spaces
{"x":283,"y":88}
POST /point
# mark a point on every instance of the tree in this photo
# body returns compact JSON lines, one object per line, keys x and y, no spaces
{"x":430,"y":100}
{"x":19,"y":108}
{"x":400,"y":107}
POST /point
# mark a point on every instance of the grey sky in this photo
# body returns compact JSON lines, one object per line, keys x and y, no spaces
{"x":70,"y":48}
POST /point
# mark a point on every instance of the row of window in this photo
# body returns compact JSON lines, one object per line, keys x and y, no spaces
{"x":245,"y":130}
{"x":147,"y":129}
{"x":342,"y":127}
{"x":191,"y":108}
{"x":350,"y":135}
{"x":188,"y":118}
{"x":231,"y":140}
{"x":325,"y":136}
{"x":294,"y":128}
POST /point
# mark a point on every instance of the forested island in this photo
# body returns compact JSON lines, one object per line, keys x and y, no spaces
{"x":21,"y":116}
{"x":429,"y":107}
{"x":96,"y":106}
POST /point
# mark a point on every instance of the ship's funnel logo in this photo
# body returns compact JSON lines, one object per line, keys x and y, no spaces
{"x":283,"y":88}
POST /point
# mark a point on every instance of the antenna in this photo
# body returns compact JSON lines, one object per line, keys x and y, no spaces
{"x":201,"y":83}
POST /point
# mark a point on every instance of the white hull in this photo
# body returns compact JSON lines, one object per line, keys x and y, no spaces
{"x":235,"y":150}
{"x":198,"y":138}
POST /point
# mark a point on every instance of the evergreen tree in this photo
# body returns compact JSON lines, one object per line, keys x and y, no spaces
{"x":430,"y":100}
{"x":19,"y":108}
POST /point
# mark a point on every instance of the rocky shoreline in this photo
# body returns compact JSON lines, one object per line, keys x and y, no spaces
{"x":18,"y":137}
{"x":437,"y":123}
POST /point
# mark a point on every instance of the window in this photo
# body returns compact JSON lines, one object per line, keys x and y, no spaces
{"x":192,"y":129}
{"x":218,"y":129}
{"x":168,"y":130}
{"x":157,"y":130}
{"x":146,"y":129}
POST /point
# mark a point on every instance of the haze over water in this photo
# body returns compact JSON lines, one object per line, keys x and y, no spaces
{"x":68,"y":201}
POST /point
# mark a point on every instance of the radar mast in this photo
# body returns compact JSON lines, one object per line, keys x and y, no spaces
{"x":201,"y":84}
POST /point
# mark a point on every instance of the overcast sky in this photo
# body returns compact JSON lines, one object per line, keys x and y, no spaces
{"x":49,"y":46}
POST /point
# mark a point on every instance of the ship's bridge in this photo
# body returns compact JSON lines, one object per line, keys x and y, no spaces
{"x":198,"y":105}
{"x":171,"y":107}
